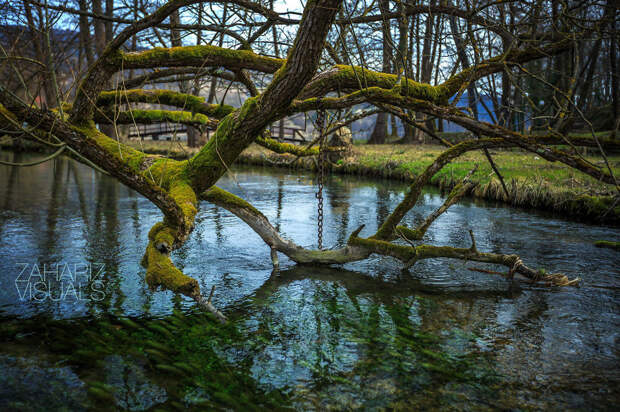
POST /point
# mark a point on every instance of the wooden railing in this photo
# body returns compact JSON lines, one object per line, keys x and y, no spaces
{"x":154,"y":131}
{"x":289,"y":134}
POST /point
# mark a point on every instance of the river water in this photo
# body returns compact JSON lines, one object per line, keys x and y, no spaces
{"x":79,"y":328}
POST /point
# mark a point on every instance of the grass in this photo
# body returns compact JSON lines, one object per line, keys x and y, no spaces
{"x":512,"y":164}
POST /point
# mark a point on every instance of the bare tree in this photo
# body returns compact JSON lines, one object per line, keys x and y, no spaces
{"x":302,"y":82}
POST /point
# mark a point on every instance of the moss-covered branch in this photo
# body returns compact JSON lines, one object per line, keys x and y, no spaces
{"x":351,"y":78}
{"x":170,"y":74}
{"x":282,"y":147}
{"x":197,"y":56}
{"x":289,"y":148}
{"x":359,"y":248}
{"x":261,"y":225}
{"x":412,"y":254}
{"x":418,"y":233}
{"x":187,"y":102}
{"x":386,"y":230}
{"x":137,"y":116}
{"x":499,"y":63}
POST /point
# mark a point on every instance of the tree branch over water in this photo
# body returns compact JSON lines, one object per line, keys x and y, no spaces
{"x":120,"y":87}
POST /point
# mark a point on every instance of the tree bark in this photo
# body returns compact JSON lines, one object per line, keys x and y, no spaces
{"x":379,"y":132}
{"x":42,"y":52}
{"x":614,"y":53}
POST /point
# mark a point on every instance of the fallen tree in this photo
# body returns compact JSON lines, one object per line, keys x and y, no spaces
{"x":295,"y":85}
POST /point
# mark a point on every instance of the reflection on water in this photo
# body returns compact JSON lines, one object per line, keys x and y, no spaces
{"x":367,"y":335}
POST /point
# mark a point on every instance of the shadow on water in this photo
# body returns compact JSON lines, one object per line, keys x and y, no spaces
{"x":368,"y":335}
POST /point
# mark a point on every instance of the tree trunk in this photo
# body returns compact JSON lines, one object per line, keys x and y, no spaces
{"x":393,"y":127}
{"x":100,"y":35}
{"x":414,"y":135}
{"x":86,"y":39}
{"x":42,"y":53}
{"x":614,"y":52}
{"x":379,"y":133}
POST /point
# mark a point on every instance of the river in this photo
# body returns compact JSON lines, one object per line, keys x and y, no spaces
{"x":80,"y":329}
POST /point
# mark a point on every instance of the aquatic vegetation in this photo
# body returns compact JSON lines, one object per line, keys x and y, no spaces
{"x":179,"y":359}
{"x":191,"y":360}
{"x":607,"y":244}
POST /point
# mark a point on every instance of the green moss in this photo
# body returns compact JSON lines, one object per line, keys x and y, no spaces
{"x":125,"y":154}
{"x":155,"y":116}
{"x":248,"y":107}
{"x":409,"y":234}
{"x":221,"y":197}
{"x":404,"y":87}
{"x":166,"y":171}
{"x":451,"y":86}
{"x":607,"y":244}
{"x":280,"y":147}
{"x":188,"y":102}
{"x":185,"y":197}
{"x":162,"y":273}
{"x":156,"y":228}
{"x":162,"y":236}
{"x":428,"y":251}
{"x":404,"y":253}
{"x":199,"y":54}
{"x":212,"y":161}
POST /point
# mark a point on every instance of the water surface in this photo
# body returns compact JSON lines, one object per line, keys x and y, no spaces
{"x":368,"y":334}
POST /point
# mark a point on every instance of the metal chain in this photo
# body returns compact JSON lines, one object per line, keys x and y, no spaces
{"x":320,"y":121}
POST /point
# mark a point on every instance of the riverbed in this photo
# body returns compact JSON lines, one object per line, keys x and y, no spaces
{"x":80,"y":329}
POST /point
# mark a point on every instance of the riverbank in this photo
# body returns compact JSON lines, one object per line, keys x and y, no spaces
{"x":531,"y":181}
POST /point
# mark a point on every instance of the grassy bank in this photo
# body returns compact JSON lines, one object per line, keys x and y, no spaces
{"x":531,"y":181}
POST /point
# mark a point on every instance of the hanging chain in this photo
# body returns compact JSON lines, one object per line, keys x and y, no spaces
{"x":320,"y":121}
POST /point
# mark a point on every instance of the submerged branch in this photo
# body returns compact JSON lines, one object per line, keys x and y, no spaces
{"x":454,"y":196}
{"x":412,"y":254}
{"x":261,"y":225}
{"x":359,"y":248}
